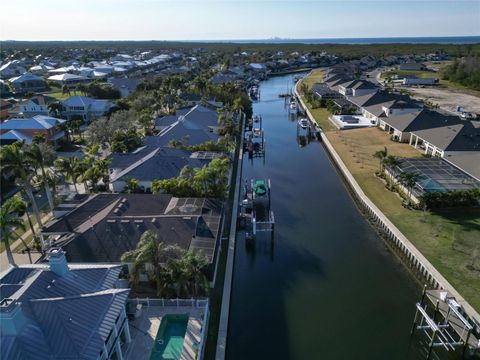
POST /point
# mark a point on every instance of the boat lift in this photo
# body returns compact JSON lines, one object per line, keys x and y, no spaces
{"x":447,"y":327}
{"x":255,"y":211}
{"x":255,"y":138}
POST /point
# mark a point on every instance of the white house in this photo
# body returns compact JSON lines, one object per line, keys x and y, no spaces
{"x":382,"y":104}
{"x":85,"y":108}
{"x":40,"y":69}
{"x":68,"y":79}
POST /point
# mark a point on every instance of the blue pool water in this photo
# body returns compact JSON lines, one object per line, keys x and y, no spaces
{"x":169,"y":341}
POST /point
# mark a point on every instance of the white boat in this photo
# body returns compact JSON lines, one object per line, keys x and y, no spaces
{"x":257,"y":132}
{"x":293,"y":105}
{"x":303,"y":123}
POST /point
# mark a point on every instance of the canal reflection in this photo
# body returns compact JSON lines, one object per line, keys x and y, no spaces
{"x":327,"y":287}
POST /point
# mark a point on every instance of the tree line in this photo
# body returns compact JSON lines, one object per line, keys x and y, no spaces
{"x":465,"y":71}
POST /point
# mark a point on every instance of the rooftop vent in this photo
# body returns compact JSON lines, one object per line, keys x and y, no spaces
{"x":58,"y":261}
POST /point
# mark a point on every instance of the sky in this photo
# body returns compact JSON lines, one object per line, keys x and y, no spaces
{"x":235,"y":19}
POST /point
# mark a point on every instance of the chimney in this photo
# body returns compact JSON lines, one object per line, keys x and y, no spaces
{"x":12,"y":319}
{"x":58,"y":261}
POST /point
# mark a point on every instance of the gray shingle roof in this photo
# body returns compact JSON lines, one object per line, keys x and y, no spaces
{"x":420,"y":120}
{"x":191,"y":223}
{"x":463,"y":136}
{"x":159,"y":163}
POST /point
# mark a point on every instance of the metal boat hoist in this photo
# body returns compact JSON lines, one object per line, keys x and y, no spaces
{"x":254,"y":135}
{"x":445,"y":325}
{"x":256,"y":214}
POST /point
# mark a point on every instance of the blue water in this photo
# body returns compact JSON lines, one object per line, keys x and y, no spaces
{"x":382,"y":40}
{"x":169,"y":341}
{"x":326,"y":287}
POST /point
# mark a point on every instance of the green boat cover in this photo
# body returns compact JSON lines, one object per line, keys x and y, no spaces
{"x":260,"y":188}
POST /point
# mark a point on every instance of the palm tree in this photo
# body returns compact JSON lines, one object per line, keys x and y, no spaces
{"x":193,"y":264}
{"x":392,"y":162}
{"x":9,"y":220}
{"x":14,"y":161}
{"x":67,"y":167}
{"x":40,"y":156}
{"x":151,"y":250}
{"x":55,"y":108}
{"x":93,"y":174}
{"x":408,"y":180}
{"x":381,"y":155}
{"x":22,"y":208}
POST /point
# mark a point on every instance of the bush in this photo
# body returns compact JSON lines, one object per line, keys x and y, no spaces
{"x":459,"y":198}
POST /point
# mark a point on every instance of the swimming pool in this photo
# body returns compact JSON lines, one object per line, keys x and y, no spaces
{"x":169,"y":341}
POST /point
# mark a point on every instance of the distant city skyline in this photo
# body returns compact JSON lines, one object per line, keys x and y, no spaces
{"x":236,"y":19}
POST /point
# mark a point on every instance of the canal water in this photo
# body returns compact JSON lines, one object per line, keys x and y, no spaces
{"x":327,"y":287}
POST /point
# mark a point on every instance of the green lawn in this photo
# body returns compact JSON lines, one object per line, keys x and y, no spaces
{"x":315,"y":76}
{"x":61,"y":96}
{"x":448,"y":239}
{"x":320,"y":114}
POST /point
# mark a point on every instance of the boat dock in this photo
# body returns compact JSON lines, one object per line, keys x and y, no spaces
{"x":445,"y":324}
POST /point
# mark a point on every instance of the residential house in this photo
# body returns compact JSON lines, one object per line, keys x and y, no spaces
{"x":412,"y":66}
{"x":197,"y":126}
{"x":93,"y":74}
{"x":27,"y":82}
{"x":125,"y":86}
{"x":448,"y":140}
{"x":163,"y":122}
{"x":85,"y":108}
{"x":40,"y":69}
{"x":382,"y":104}
{"x":467,"y":161}
{"x":223,"y":77}
{"x":68,"y":79}
{"x":36,"y":105}
{"x":13,"y":130}
{"x":63,"y":311}
{"x":357,"y":88}
{"x":103,"y":228}
{"x":400,"y":126}
{"x":148,"y":163}
{"x":12,"y":68}
{"x":334,"y":80}
{"x":323,"y":91}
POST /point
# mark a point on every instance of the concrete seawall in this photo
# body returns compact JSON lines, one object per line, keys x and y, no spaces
{"x":411,"y":256}
{"x":227,"y":285}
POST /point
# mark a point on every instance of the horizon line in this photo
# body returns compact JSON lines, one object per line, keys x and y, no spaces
{"x":247,"y":39}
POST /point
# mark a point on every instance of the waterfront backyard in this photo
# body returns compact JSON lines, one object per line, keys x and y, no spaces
{"x":449,"y":239}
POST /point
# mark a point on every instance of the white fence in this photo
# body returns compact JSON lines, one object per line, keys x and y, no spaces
{"x":195,"y":303}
